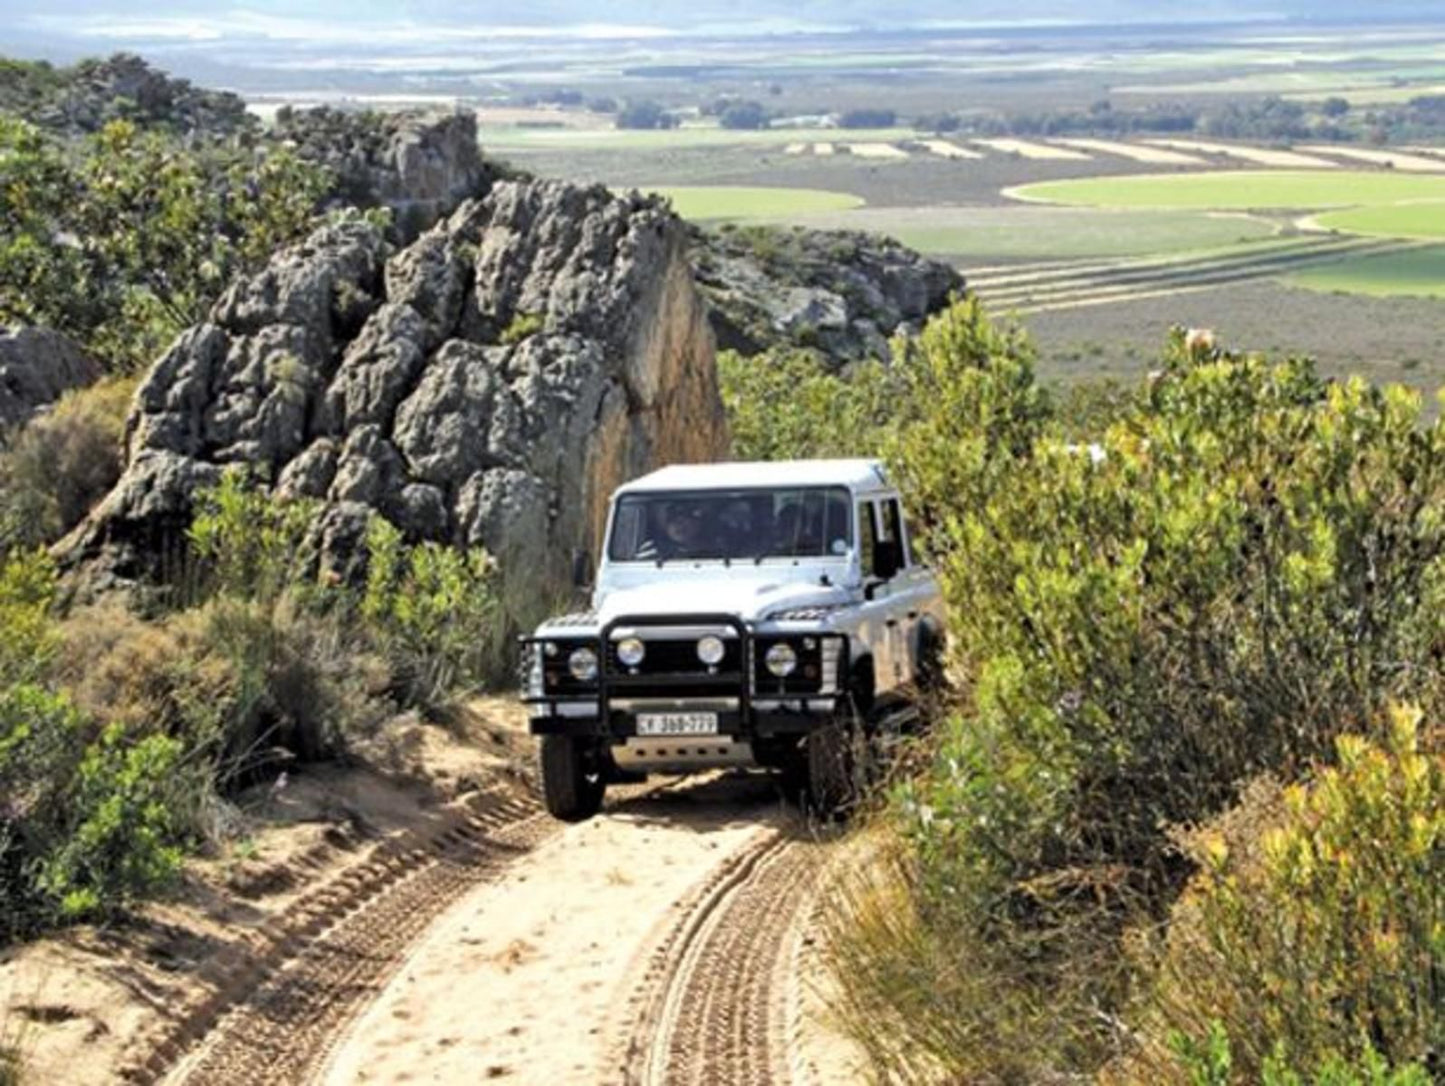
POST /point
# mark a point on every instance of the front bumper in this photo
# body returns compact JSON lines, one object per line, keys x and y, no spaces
{"x":762,"y":721}
{"x":746,"y":706}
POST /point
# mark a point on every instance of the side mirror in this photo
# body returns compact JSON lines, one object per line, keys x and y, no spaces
{"x":887,"y":559}
{"x":581,"y":569}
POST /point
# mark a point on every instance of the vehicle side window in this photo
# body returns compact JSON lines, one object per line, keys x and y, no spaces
{"x":893,"y":530}
{"x":868,"y":536}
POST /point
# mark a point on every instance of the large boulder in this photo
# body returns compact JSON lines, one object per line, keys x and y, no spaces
{"x":840,"y":293}
{"x":37,"y":367}
{"x":488,"y":385}
{"x":421,"y":166}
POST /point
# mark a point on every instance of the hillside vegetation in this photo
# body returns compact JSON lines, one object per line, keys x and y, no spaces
{"x":1182,"y":820}
{"x":1181,"y":823}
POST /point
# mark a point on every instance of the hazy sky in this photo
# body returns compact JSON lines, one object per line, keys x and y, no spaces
{"x":197,"y":18}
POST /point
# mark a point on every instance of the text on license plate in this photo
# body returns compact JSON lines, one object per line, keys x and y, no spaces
{"x":677,"y":724}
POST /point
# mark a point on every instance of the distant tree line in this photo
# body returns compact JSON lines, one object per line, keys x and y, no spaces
{"x":1270,"y":119}
{"x":645,"y":115}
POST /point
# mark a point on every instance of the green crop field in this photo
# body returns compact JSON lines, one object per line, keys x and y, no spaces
{"x":1418,"y":273}
{"x":707,"y":202}
{"x":1423,"y":219}
{"x":1239,"y":190}
{"x":1042,"y":233}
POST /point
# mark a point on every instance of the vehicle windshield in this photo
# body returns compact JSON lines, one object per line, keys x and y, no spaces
{"x":732,"y":525}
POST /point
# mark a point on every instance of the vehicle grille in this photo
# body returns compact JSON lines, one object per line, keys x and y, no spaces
{"x":671,"y":668}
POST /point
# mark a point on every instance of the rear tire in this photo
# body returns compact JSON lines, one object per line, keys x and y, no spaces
{"x":572,"y":790}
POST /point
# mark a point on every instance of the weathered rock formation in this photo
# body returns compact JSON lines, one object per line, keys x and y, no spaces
{"x":488,"y":385}
{"x":420,"y":166}
{"x":841,"y":293}
{"x":87,"y":96}
{"x":37,"y":367}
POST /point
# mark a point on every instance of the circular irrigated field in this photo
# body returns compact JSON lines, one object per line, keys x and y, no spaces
{"x":1240,"y":190}
{"x":702,"y":202}
{"x":1045,"y":233}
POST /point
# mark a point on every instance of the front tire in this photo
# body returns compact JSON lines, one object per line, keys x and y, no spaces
{"x":572,"y":790}
{"x":839,"y":762}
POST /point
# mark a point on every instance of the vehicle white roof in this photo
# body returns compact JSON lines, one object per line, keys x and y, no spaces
{"x":857,"y":475}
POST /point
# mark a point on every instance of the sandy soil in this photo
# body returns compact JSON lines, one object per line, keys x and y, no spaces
{"x":877,"y":150}
{"x":1262,"y":156}
{"x":1133,"y":151}
{"x":88,"y":1001}
{"x":535,"y":978}
{"x":1042,"y":152}
{"x":1395,"y":160}
{"x":945,"y":149}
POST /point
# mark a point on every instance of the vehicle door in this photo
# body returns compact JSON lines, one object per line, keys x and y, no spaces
{"x":910,"y":593}
{"x":875,"y":630}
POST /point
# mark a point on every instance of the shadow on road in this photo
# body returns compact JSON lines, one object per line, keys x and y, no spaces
{"x":709,"y":803}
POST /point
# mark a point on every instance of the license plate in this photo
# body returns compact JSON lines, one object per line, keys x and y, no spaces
{"x":677,"y":724}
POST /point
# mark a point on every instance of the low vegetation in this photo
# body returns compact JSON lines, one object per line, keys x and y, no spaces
{"x":1225,"y":591}
{"x":56,"y":467}
{"x":121,"y":736}
{"x":128,"y":237}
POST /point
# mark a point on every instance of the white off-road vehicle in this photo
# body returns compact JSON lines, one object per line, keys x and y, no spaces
{"x":767,"y":614}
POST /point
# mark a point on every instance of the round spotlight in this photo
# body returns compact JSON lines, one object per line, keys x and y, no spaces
{"x":583,"y":665}
{"x":630,"y":651}
{"x":782,"y":661}
{"x":711,"y":650}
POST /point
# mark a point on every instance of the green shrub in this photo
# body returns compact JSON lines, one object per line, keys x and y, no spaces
{"x":1250,"y":562}
{"x":248,"y":544}
{"x":128,"y":237}
{"x":1210,"y":1062}
{"x":127,"y":814}
{"x":435,"y":613}
{"x":60,"y":464}
{"x":785,"y":405}
{"x":1314,"y":933}
{"x":27,"y":591}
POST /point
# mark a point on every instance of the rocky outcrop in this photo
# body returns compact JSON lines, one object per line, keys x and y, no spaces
{"x":89,"y":95}
{"x":420,"y":166}
{"x":37,"y":367}
{"x":842,"y":294}
{"x":488,"y":385}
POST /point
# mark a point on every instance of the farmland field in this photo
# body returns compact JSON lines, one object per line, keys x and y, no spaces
{"x":1423,"y":219}
{"x":507,"y":138}
{"x":976,"y":234}
{"x":1383,"y":339}
{"x":706,"y":202}
{"x":1241,"y":190}
{"x":1412,"y":273}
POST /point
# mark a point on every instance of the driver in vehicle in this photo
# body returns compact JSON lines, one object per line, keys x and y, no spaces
{"x":682,"y":534}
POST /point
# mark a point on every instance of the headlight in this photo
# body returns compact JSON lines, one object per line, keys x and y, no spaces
{"x":583,"y":665}
{"x":630,"y":651}
{"x":782,"y":661}
{"x":711,"y":650}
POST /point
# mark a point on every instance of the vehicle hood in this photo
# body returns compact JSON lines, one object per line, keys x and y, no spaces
{"x":750,"y":600}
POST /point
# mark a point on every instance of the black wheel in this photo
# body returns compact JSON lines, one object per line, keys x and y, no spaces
{"x":840,"y":764}
{"x":571,"y":788}
{"x":931,"y":677}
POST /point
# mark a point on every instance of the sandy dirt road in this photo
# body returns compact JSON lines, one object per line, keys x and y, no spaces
{"x":669,"y":941}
